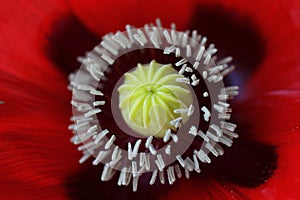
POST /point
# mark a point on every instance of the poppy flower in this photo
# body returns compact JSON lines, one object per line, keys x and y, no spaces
{"x":39,"y":46}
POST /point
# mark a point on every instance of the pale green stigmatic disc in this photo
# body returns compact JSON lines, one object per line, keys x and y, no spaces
{"x":149,"y":96}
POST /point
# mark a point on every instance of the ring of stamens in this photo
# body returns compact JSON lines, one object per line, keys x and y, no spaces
{"x":197,"y":59}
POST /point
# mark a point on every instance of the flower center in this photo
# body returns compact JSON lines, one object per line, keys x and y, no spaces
{"x":150,"y":95}
{"x":180,"y":109}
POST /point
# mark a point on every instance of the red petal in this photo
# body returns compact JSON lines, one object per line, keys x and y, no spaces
{"x":35,"y":152}
{"x":106,"y":16}
{"x":286,"y":181}
{"x":283,"y":185}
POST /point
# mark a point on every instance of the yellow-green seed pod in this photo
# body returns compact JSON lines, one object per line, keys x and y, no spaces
{"x":149,"y":96}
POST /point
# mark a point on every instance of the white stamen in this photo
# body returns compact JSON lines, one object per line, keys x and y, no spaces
{"x":108,"y":59}
{"x":119,"y":40}
{"x":226,"y":105}
{"x":174,"y":137}
{"x":178,"y":171}
{"x":128,"y":177}
{"x":181,"y":62}
{"x":101,"y":135}
{"x":122,"y":176}
{"x":204,"y":74}
{"x":219,"y":149}
{"x":181,"y":71}
{"x":219,"y":108}
{"x":188,"y":51}
{"x":225,"y":116}
{"x":203,"y":136}
{"x":107,"y":46}
{"x":187,"y":173}
{"x":124,"y":39}
{"x":231,"y":91}
{"x":173,"y":26}
{"x":168,"y":150}
{"x":84,"y":158}
{"x":195,"y":82}
{"x":154,"y":39}
{"x":207,"y":59}
{"x":134,"y":168}
{"x":196,"y":65}
{"x":152,"y":150}
{"x":227,"y":71}
{"x":101,"y":156}
{"x":96,"y":92}
{"x":200,"y":53}
{"x":176,"y":122}
{"x":180,"y":160}
{"x":98,"y":103}
{"x":171,"y":175}
{"x":225,"y":140}
{"x":189,"y":164}
{"x":153,"y":177}
{"x":211,"y":149}
{"x":169,"y":50}
{"x":107,"y":173}
{"x":197,"y":167}
{"x":216,"y":69}
{"x":230,"y":133}
{"x":184,"y":40}
{"x":110,"y":142}
{"x":191,"y":110}
{"x":129,"y":150}
{"x":162,"y":177}
{"x":203,"y":157}
{"x":92,"y":129}
{"x":203,"y":41}
{"x":167,"y":135}
{"x":167,"y":36}
{"x":147,"y":162}
{"x":212,"y":136}
{"x":194,"y":35}
{"x":174,"y":37}
{"x":139,"y":39}
{"x":183,"y":80}
{"x":129,"y":31}
{"x":177,"y":53}
{"x":142,"y":158}
{"x":81,"y":125}
{"x":158,"y":22}
{"x":225,"y":61}
{"x":160,"y":162}
{"x":89,"y":146}
{"x":115,"y":153}
{"x":142,"y":35}
{"x":136,"y":148}
{"x":206,"y":113}
{"x":216,"y":129}
{"x":193,"y":130}
{"x":148,"y":141}
{"x":188,"y":69}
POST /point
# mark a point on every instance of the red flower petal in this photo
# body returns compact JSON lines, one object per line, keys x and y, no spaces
{"x":35,"y":151}
{"x":106,"y":16}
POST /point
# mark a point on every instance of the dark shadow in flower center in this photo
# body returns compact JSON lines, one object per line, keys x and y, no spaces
{"x":68,"y":40}
{"x":87,"y":185}
{"x":234,"y":34}
{"x":247,"y":163}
